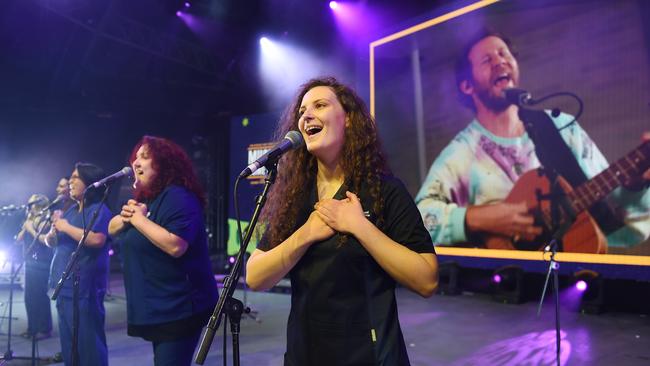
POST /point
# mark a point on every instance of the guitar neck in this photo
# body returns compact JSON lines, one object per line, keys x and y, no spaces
{"x":622,"y":172}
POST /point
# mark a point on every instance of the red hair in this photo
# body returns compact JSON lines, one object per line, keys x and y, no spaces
{"x":172,"y":166}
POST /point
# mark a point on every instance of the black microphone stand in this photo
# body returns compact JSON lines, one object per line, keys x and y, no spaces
{"x":73,"y":268}
{"x":562,"y":215}
{"x":229,"y":306}
{"x":562,"y":223}
{"x":9,"y":354}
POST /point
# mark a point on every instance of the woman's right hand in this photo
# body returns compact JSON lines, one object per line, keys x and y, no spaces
{"x":120,"y":222}
{"x":315,"y":229}
{"x":265,"y":268}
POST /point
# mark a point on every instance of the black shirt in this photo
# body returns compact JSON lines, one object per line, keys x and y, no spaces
{"x":343,"y":307}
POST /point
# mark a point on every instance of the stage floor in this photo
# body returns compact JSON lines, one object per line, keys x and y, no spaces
{"x":468,"y":329}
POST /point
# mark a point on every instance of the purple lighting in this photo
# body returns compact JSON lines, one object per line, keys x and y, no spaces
{"x":346,"y":14}
{"x":535,"y":348}
{"x":231,"y":260}
{"x":496,"y":278}
{"x":179,"y":13}
{"x":581,"y":285}
{"x":187,"y":4}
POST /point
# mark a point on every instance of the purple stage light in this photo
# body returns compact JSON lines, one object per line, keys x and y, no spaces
{"x":110,"y":252}
{"x":178,"y":13}
{"x":581,"y":285}
{"x":187,"y":4}
{"x":496,"y":278}
{"x":333,"y":5}
{"x":231,"y":260}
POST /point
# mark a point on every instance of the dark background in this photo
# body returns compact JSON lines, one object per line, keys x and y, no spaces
{"x":84,"y":80}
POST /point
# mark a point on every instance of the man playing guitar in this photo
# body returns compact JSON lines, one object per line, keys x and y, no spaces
{"x":463,"y":198}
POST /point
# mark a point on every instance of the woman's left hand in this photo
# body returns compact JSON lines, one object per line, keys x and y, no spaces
{"x":139,"y":210}
{"x":60,"y":224}
{"x":341,"y":215}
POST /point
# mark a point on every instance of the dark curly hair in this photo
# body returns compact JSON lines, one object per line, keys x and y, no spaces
{"x":463,"y":66}
{"x":172,"y":166}
{"x":362,"y":162}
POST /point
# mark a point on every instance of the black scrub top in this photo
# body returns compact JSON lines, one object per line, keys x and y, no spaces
{"x":343,"y":307}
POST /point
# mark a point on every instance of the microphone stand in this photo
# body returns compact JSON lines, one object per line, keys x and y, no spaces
{"x":553,"y":267}
{"x":73,"y":267}
{"x":561,"y":220}
{"x":227,"y":305}
{"x":554,"y":245}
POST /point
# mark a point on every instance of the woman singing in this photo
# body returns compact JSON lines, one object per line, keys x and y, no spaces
{"x":345,"y":231}
{"x":66,"y":232}
{"x":170,"y":288}
{"x":37,"y":269}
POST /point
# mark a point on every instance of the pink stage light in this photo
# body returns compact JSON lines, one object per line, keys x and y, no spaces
{"x":496,"y":278}
{"x":333,"y":5}
{"x":581,"y":285}
{"x":231,"y":260}
{"x":187,"y":4}
{"x":178,"y":13}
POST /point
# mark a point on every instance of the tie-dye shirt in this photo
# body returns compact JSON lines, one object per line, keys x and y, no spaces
{"x":478,"y":167}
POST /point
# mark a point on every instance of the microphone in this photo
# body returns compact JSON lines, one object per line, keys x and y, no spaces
{"x":126,"y":171}
{"x":52,"y":204}
{"x":292,"y":140}
{"x":519,"y":97}
{"x":13,"y":208}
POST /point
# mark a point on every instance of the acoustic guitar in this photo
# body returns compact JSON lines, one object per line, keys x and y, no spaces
{"x":570,"y":206}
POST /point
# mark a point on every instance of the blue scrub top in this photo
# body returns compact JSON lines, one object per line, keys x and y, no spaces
{"x":93,"y":262}
{"x":159,"y":287}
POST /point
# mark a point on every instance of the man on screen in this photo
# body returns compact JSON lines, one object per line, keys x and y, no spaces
{"x":462,"y":197}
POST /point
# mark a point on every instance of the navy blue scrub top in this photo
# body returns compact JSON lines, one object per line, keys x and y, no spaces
{"x":93,"y":262}
{"x":160,"y":288}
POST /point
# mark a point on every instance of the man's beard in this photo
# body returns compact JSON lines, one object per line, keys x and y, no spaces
{"x":494,"y":103}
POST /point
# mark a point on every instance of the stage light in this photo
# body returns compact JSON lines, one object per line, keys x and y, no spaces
{"x":187,"y":4}
{"x":231,"y":260}
{"x":333,"y":5}
{"x":508,"y":283}
{"x":111,"y":252}
{"x":448,"y":273}
{"x":179,"y":13}
{"x":590,"y":285}
{"x":283,"y":67}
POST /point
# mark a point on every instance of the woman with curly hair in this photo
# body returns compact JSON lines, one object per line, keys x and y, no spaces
{"x":170,"y":288}
{"x":345,"y":231}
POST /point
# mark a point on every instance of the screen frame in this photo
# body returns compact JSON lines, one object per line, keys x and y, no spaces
{"x":637,"y":260}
